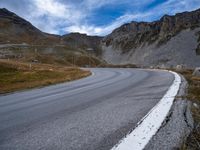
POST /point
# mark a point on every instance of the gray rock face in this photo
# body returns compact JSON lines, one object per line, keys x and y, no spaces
{"x":171,"y":41}
{"x":179,"y":50}
{"x":135,"y":34}
{"x":197,"y":72}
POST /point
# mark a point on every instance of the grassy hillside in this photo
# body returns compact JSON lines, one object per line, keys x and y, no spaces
{"x":17,"y":75}
{"x":57,"y":54}
{"x":20,"y":40}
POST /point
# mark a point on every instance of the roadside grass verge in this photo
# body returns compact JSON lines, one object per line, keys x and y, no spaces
{"x":18,"y":76}
{"x":118,"y":66}
{"x":193,"y":141}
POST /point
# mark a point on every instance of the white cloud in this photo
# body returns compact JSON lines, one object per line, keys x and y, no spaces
{"x":103,"y":30}
{"x":169,"y":7}
{"x":94,"y":4}
{"x":72,"y":17}
{"x":51,"y":15}
{"x":175,"y":6}
{"x":52,"y":8}
{"x":91,"y":30}
{"x":59,"y":16}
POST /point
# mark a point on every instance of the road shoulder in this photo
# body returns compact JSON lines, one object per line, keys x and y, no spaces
{"x":177,"y":125}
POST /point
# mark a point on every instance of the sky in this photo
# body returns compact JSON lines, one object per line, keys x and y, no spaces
{"x":93,"y":17}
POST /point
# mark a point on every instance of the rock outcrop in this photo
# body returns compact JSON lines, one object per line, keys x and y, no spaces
{"x":196,"y":72}
{"x":173,"y":40}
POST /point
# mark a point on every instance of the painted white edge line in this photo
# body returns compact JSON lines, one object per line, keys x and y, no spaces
{"x":92,"y":73}
{"x":149,"y":125}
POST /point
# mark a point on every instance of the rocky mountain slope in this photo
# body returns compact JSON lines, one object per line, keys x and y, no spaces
{"x":14,"y":29}
{"x":20,"y":39}
{"x":170,"y":41}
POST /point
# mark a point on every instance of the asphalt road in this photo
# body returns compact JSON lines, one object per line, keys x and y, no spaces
{"x":93,"y":113}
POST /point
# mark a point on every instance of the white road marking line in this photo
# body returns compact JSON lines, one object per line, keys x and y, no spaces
{"x":149,"y":125}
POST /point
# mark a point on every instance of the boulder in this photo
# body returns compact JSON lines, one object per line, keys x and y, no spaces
{"x":179,"y":67}
{"x":196,"y":72}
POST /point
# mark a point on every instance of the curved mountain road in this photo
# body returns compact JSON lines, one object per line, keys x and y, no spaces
{"x":93,"y":113}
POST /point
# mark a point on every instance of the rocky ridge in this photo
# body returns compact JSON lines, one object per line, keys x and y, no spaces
{"x":156,"y":43}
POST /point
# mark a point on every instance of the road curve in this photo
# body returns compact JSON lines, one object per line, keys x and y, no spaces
{"x":93,"y":113}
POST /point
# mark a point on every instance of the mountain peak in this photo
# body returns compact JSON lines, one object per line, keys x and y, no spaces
{"x":5,"y":12}
{"x":4,"y":9}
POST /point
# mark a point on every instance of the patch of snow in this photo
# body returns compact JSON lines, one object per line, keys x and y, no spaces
{"x":149,"y":125}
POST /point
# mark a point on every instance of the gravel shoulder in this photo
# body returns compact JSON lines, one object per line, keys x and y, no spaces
{"x":177,"y":126}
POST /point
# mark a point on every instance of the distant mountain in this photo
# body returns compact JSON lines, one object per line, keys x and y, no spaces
{"x":171,"y":41}
{"x":14,"y":29}
{"x":168,"y":42}
{"x":19,"y":38}
{"x":83,"y":41}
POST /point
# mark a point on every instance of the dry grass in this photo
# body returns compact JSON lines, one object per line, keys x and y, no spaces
{"x":17,"y":75}
{"x":193,"y":141}
{"x":118,"y":66}
{"x":55,"y":55}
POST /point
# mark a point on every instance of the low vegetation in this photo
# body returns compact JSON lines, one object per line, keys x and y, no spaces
{"x":118,"y":66}
{"x":61,"y":55}
{"x":17,"y":75}
{"x":193,"y":141}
